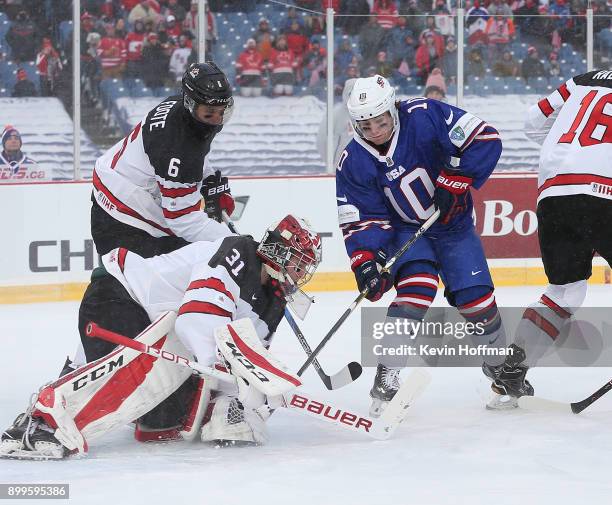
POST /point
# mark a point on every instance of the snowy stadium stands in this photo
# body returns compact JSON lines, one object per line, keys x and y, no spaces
{"x":278,"y":136}
{"x":46,"y":130}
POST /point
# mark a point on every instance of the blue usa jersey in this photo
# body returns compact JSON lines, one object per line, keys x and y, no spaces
{"x":377,"y":193}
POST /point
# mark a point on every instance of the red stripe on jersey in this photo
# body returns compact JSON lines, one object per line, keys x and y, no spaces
{"x":259,"y":360}
{"x":176,"y":192}
{"x":118,"y":388}
{"x":541,"y":323}
{"x":545,"y":107}
{"x":211,"y":283}
{"x":174,"y":214}
{"x":121,"y":258}
{"x":203,"y":308}
{"x":564,"y":92}
{"x":570,"y":179}
{"x":557,"y":309}
{"x":476,"y":131}
{"x":122,"y":207}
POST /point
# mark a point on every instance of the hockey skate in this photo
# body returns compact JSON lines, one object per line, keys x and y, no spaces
{"x":31,"y":438}
{"x":386,"y":384}
{"x":232,"y":425}
{"x":509,"y":382}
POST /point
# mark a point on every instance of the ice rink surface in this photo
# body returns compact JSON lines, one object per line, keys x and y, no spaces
{"x":449,"y":450}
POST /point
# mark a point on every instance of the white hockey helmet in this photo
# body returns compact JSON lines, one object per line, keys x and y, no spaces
{"x":370,"y":98}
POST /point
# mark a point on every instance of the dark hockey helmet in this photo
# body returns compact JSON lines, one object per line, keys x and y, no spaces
{"x":291,"y":252}
{"x":205,"y":84}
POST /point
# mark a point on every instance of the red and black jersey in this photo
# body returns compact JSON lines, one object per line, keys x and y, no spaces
{"x":207,"y":283}
{"x":152,"y":178}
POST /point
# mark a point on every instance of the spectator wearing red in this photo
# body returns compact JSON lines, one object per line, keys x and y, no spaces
{"x":298,"y":43}
{"x":48,"y":66}
{"x":134,"y":42}
{"x":128,"y":5}
{"x":249,"y":70}
{"x":431,"y":28}
{"x":113,"y":54}
{"x":500,"y":32}
{"x":282,"y":68}
{"x":385,"y":12}
{"x":427,"y":57}
{"x":173,"y":29}
{"x":191,"y":24}
{"x":334,"y":4}
{"x":476,"y":21}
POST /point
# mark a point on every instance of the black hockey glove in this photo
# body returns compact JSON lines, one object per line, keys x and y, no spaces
{"x":452,"y":195}
{"x":367,"y":268}
{"x":217,"y":196}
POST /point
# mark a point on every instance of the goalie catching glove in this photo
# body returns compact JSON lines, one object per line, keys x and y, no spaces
{"x":217,"y":196}
{"x":452,"y":195}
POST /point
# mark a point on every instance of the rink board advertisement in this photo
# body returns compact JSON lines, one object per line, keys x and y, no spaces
{"x":48,"y":253}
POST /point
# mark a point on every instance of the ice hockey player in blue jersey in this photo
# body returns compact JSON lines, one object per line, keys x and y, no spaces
{"x":407,"y":159}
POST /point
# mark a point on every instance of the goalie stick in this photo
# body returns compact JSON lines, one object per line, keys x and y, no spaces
{"x":380,"y":428}
{"x":387,"y":268}
{"x":544,"y":405}
{"x":347,"y":374}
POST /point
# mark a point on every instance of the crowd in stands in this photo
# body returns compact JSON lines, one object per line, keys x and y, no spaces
{"x":154,"y":40}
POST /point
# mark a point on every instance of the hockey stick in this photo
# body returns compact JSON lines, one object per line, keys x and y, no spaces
{"x":346,"y":375}
{"x":379,"y":428}
{"x":387,"y":268}
{"x":92,"y":330}
{"x":543,"y":405}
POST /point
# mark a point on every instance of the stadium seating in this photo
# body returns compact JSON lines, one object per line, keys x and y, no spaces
{"x":48,"y":140}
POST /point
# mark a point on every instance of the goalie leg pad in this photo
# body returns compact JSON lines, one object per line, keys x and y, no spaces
{"x":249,"y":359}
{"x":114,"y":390}
{"x":232,"y":424}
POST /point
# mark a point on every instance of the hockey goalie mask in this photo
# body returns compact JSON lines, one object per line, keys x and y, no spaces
{"x":291,"y":252}
{"x":370,"y":98}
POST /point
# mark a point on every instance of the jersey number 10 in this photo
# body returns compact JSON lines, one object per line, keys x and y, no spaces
{"x":596,"y":118}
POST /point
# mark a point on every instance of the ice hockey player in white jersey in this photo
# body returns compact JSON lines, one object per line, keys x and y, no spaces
{"x":574,"y":214}
{"x":146,"y":188}
{"x":208,"y":284}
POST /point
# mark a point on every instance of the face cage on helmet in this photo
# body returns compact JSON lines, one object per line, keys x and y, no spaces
{"x":287,"y":260}
{"x":191,"y":105}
